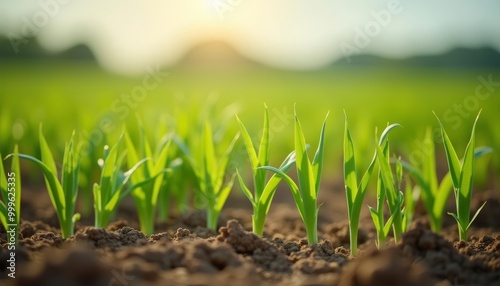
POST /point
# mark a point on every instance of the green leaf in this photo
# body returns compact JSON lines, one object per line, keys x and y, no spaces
{"x":317,"y":163}
{"x":76,"y":217}
{"x":132,"y":158}
{"x":451,"y":157}
{"x":223,"y":162}
{"x":141,"y":184}
{"x":386,"y":131}
{"x":185,"y":151}
{"x":272,"y":184}
{"x":54,"y":187}
{"x":411,"y":197}
{"x":386,"y":175}
{"x":248,"y":144}
{"x":376,"y":219}
{"x":69,"y":179}
{"x":429,"y":164}
{"x":244,"y":188}
{"x":466,"y":177}
{"x":208,"y":149}
{"x":264,"y":142}
{"x":223,"y":194}
{"x":366,"y":176}
{"x":97,"y":191}
{"x":128,"y":174}
{"x":293,"y":187}
{"x":388,"y":224}
{"x":111,"y":203}
{"x":350,"y":176}
{"x":304,"y":168}
{"x":442,"y":196}
{"x":160,"y":164}
{"x":260,"y":175}
{"x":110,"y":163}
{"x":47,"y":157}
{"x":476,"y":214}
{"x":422,"y":183}
{"x":399,"y":173}
{"x":459,"y":223}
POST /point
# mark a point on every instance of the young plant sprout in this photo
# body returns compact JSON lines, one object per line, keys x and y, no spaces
{"x":412,"y":195}
{"x":462,"y":176}
{"x":177,"y":184}
{"x":62,"y":193}
{"x":10,"y":205}
{"x":385,"y":185}
{"x":309,"y":174}
{"x":263,"y":192}
{"x":388,"y":189}
{"x":108,"y":193}
{"x":147,"y":180}
{"x":355,"y":191}
{"x":434,"y":195}
{"x":210,"y":173}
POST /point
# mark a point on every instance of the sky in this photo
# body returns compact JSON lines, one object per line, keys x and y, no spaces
{"x":126,"y":36}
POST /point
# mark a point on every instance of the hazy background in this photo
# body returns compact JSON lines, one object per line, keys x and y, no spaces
{"x":126,"y":36}
{"x":92,"y":66}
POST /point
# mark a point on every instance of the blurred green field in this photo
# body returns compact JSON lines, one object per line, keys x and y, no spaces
{"x":78,"y":95}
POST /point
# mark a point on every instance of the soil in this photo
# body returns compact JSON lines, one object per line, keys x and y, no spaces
{"x":183,"y":252}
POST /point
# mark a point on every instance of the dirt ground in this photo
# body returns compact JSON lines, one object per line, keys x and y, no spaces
{"x":183,"y":252}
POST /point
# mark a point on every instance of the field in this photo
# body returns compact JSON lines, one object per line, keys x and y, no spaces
{"x":178,"y":244}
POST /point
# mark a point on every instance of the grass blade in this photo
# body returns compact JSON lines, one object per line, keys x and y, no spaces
{"x":306,"y":183}
{"x":264,"y":142}
{"x":451,"y":157}
{"x":247,"y":140}
{"x":317,"y":163}
{"x":291,"y":184}
{"x":244,"y":188}
{"x":350,"y":176}
{"x":476,"y":214}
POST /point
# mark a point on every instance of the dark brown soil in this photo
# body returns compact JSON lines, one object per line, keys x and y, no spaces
{"x":183,"y":252}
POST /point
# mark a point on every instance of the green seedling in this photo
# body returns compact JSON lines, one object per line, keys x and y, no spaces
{"x":148,"y":179}
{"x":355,"y":191}
{"x":210,"y":173}
{"x":176,"y":184}
{"x":462,"y":176}
{"x":388,"y":189}
{"x":62,"y":193}
{"x":309,"y":174}
{"x":10,"y":205}
{"x":263,"y":192}
{"x":108,"y":193}
{"x":434,"y":195}
{"x":412,"y":195}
